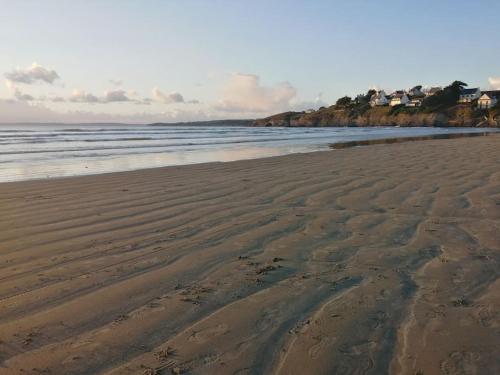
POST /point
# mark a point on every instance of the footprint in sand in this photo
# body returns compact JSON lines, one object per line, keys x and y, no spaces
{"x":461,"y":363}
{"x":207,"y":334}
{"x":320,"y":347}
{"x":487,"y":316}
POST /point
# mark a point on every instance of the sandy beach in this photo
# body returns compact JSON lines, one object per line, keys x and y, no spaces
{"x":371,"y":260}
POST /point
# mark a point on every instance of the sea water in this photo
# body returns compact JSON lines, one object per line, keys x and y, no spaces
{"x":35,"y":151}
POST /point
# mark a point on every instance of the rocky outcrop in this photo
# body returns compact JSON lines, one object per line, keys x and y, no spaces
{"x":457,"y":116}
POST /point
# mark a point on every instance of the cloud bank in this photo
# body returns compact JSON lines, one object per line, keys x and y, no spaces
{"x":17,"y":111}
{"x":111,"y":96}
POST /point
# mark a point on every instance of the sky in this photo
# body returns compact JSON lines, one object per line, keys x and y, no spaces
{"x":167,"y":61}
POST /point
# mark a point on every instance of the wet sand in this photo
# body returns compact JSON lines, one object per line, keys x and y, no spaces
{"x":371,"y":260}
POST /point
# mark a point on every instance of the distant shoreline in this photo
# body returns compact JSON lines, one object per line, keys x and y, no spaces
{"x":232,"y":123}
{"x":80,"y":168}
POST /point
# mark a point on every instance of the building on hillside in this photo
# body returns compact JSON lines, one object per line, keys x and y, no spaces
{"x":489,"y":99}
{"x":468,"y":95}
{"x":416,"y":92}
{"x":399,"y":98}
{"x":379,"y":98}
{"x":415,"y":102}
{"x":433,"y":91}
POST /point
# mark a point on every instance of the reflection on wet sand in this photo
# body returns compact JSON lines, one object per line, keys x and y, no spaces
{"x":82,"y":166}
{"x":30,"y":152}
{"x":369,"y":142}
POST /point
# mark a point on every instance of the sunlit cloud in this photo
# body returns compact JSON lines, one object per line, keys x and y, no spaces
{"x":33,"y":74}
{"x":80,"y":96}
{"x":494,"y":82}
{"x":244,"y":93}
{"x":173,"y":97}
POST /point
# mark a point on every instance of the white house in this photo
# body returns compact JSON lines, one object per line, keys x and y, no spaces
{"x":399,"y":98}
{"x":468,"y":95}
{"x":488,"y":99}
{"x":415,"y":102}
{"x":416,"y":91}
{"x":379,"y":98}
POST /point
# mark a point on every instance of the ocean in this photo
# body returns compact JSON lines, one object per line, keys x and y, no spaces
{"x":38,"y":151}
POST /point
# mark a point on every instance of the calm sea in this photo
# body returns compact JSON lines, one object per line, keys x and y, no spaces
{"x":46,"y":151}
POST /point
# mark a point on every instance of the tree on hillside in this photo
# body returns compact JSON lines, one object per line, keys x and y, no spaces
{"x":448,"y":97}
{"x":458,"y":84}
{"x":370,"y":93}
{"x":364,"y":98}
{"x":345,"y":100}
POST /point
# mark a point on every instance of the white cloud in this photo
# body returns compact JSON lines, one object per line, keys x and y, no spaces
{"x":34,"y":74}
{"x":494,"y":82}
{"x":244,"y":93}
{"x":115,"y":96}
{"x":80,"y":96}
{"x":173,"y":97}
{"x":110,"y":96}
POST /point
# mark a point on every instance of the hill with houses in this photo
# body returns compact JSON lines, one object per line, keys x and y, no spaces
{"x":455,"y":105}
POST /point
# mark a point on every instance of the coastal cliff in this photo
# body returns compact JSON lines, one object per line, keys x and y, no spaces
{"x":440,"y":110}
{"x":458,"y":116}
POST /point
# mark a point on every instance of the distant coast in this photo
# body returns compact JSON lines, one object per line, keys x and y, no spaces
{"x":228,"y":122}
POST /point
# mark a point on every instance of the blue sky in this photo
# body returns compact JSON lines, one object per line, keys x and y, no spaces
{"x":143,"y":61}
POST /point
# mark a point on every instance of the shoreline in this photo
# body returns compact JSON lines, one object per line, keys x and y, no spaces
{"x":303,"y":263}
{"x":332,"y":146}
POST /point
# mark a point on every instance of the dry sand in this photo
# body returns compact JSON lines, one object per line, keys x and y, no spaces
{"x":373,"y":260}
